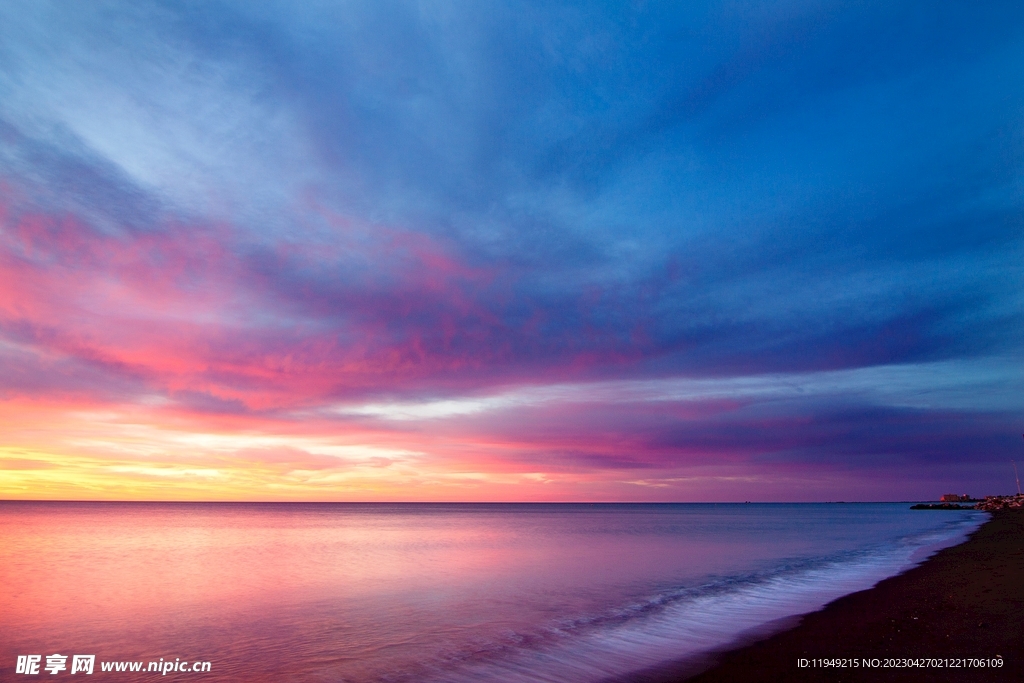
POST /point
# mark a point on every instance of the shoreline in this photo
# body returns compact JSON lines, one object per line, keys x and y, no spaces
{"x":966,"y":601}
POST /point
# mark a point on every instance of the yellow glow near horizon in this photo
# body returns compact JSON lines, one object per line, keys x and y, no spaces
{"x":133,"y":453}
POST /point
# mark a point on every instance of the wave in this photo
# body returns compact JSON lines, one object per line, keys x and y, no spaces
{"x":678,"y":623}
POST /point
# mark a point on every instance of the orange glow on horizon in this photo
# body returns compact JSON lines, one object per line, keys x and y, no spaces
{"x":132,"y":452}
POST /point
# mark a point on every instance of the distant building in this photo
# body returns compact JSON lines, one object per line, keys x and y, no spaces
{"x":954,"y":498}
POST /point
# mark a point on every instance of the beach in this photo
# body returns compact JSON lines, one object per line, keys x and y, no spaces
{"x":964,"y":603}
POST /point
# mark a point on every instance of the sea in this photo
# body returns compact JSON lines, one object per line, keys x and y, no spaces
{"x":360,"y":593}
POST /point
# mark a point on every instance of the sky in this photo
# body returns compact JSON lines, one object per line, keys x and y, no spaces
{"x":511,"y":251}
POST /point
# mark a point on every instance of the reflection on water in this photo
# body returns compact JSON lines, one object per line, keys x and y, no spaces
{"x":410,"y":592}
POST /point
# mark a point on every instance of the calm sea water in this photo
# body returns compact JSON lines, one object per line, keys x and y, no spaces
{"x":422,"y":592}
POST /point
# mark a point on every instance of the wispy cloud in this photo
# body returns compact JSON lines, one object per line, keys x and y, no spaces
{"x":981,"y":385}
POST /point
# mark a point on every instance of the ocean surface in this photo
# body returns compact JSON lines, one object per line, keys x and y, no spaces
{"x":424,"y":592}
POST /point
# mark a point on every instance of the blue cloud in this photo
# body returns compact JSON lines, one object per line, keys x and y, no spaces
{"x":654,"y":188}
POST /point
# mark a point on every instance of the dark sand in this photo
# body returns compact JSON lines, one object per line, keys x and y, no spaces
{"x":966,"y":601}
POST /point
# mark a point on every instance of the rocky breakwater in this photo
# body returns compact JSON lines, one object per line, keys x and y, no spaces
{"x":992,"y":503}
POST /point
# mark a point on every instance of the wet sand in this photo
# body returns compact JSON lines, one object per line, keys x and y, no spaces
{"x":965,"y":602}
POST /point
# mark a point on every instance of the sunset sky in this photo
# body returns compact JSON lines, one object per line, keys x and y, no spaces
{"x":511,"y":251}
